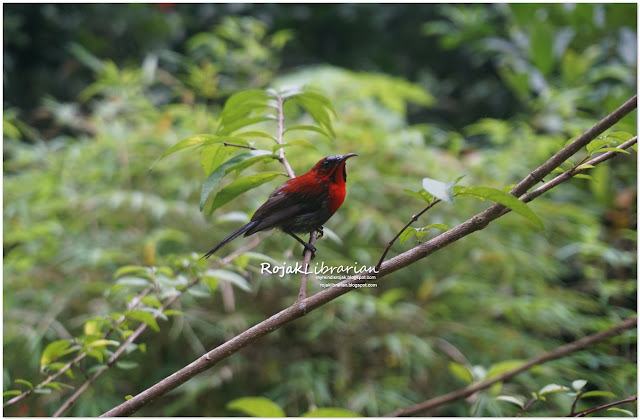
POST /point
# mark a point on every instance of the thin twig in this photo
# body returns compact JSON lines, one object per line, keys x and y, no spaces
{"x":575,"y":402}
{"x":395,"y":238}
{"x":279,"y":137}
{"x":238,"y":145}
{"x":527,"y":406}
{"x":538,"y":360}
{"x":302,"y":294}
{"x":602,"y":407}
{"x":302,"y":308}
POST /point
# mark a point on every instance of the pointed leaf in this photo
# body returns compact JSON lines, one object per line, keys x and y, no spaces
{"x":578,"y":384}
{"x":460,"y":372}
{"x":596,"y":144}
{"x":551,"y":388}
{"x":231,"y":277}
{"x":420,"y":195}
{"x":25,"y":383}
{"x":591,"y":394}
{"x":506,"y":200}
{"x":439,"y":189}
{"x":621,"y":410}
{"x":300,"y":142}
{"x":502,"y":367}
{"x":256,"y":407}
{"x":511,"y":399}
{"x":54,"y":351}
{"x":225,"y":130}
{"x":144,"y":317}
{"x":214,"y":177}
{"x":610,"y":149}
{"x":408,"y":233}
{"x":306,"y":128}
{"x":183,"y":144}
{"x":240,"y":186}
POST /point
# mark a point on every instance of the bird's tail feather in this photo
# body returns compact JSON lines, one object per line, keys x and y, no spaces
{"x":230,"y":238}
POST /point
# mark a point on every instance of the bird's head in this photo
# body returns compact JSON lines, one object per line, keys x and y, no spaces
{"x":333,"y":167}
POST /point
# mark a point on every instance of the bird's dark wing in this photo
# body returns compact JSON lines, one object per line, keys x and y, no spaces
{"x":281,"y":206}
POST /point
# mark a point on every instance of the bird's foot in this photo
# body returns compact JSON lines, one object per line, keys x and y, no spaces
{"x":320,"y":231}
{"x":308,"y":247}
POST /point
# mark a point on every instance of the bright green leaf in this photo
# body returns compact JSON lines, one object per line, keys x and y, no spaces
{"x":307,"y":128}
{"x":183,"y":144}
{"x":299,"y":142}
{"x":437,"y":226}
{"x":420,"y":195}
{"x":502,"y":367}
{"x":54,"y":351}
{"x":144,"y":317}
{"x":255,"y":134}
{"x":228,"y":129}
{"x":135,"y":270}
{"x":214,"y":177}
{"x":256,"y":407}
{"x":596,"y":144}
{"x":460,"y":372}
{"x":11,"y":393}
{"x":610,"y":149}
{"x":591,"y":394}
{"x":506,"y":200}
{"x":25,"y":383}
{"x":240,"y":186}
{"x":101,"y":343}
{"x":408,"y":233}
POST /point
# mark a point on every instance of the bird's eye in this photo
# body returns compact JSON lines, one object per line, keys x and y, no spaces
{"x":325,"y":163}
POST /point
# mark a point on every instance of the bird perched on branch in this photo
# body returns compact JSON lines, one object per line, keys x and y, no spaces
{"x":300,"y":205}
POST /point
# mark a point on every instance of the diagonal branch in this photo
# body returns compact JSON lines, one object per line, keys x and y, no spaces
{"x":538,"y":360}
{"x":302,"y":308}
{"x":602,"y":407}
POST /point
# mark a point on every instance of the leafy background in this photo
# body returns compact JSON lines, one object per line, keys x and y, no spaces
{"x":94,"y":94}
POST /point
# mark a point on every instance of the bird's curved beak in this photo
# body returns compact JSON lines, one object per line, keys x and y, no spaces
{"x":347,"y":156}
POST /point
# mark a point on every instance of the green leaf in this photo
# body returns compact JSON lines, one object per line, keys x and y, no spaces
{"x":214,"y":177}
{"x":300,"y":142}
{"x":610,"y":149}
{"x":591,"y":394}
{"x":330,"y":412}
{"x":183,"y":144}
{"x":172,"y":312}
{"x":212,"y":156}
{"x":244,"y":96}
{"x":513,"y":400}
{"x":211,"y":282}
{"x":420,"y":195}
{"x":255,"y":134}
{"x":621,"y":136}
{"x":408,"y":233}
{"x":256,"y":407}
{"x":126,"y":364}
{"x":439,"y":189}
{"x":502,"y":367}
{"x":584,"y":166}
{"x":597,"y":144}
{"x":25,"y":383}
{"x":225,"y":130}
{"x":506,"y":200}
{"x":231,"y":277}
{"x":621,"y":410}
{"x":54,"y":351}
{"x":240,"y":186}
{"x":583,"y":176}
{"x":551,"y":388}
{"x":541,"y":44}
{"x":144,"y":317}
{"x":437,"y":226}
{"x":460,"y":372}
{"x":578,"y":384}
{"x":135,"y":270}
{"x":101,"y":343}
{"x":306,"y":128}
{"x":11,"y":393}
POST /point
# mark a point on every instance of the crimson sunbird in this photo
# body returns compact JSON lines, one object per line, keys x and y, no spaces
{"x":302,"y":204}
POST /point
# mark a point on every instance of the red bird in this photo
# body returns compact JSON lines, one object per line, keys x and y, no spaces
{"x":302,"y":204}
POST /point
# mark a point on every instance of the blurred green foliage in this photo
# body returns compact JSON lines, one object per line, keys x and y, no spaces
{"x":488,"y":92}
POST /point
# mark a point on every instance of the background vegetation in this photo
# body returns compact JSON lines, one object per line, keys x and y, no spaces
{"x":94,"y":94}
